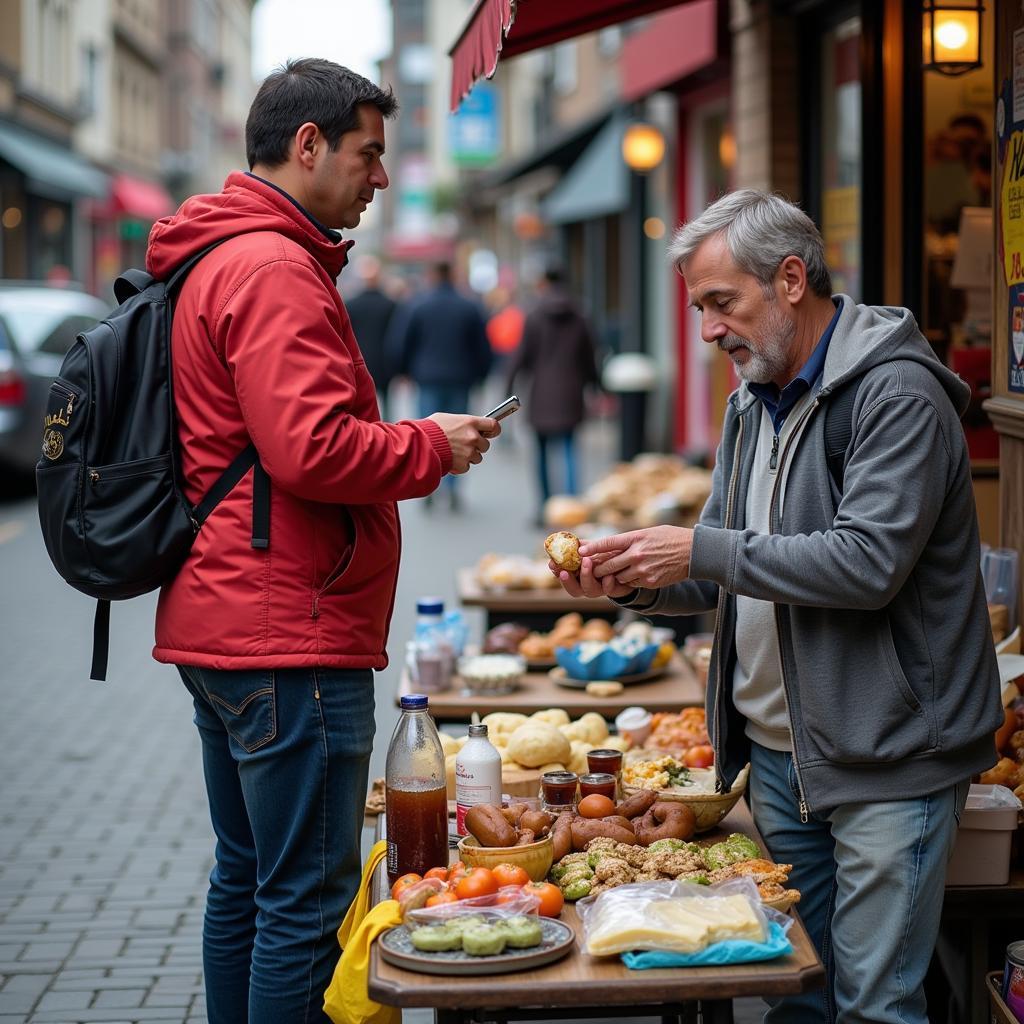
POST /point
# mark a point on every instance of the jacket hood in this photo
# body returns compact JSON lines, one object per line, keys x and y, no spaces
{"x":245,"y":205}
{"x":866,"y":336}
{"x":556,"y":303}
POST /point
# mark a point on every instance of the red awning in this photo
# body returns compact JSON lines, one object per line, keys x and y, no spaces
{"x":505,"y":28}
{"x":136,"y":197}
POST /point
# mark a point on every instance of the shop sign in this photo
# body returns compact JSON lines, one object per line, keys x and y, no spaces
{"x":475,"y":128}
{"x":1011,"y":210}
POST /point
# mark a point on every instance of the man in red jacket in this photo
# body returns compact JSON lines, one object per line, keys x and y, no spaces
{"x":277,"y":644}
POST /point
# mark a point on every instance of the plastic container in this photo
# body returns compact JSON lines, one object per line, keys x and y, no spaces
{"x":477,"y":775}
{"x":416,"y":800}
{"x":430,"y":656}
{"x":634,"y":724}
{"x":1000,"y":569}
{"x":981,"y":855}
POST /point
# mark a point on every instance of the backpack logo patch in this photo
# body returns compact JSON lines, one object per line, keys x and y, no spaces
{"x":53,"y":442}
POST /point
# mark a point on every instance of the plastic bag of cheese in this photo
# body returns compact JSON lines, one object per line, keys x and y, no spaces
{"x":676,"y":917}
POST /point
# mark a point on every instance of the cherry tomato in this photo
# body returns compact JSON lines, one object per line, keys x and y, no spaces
{"x":476,"y":882}
{"x":550,"y":896}
{"x":441,"y":873}
{"x":442,"y":897}
{"x":702,"y":756}
{"x":508,"y":893}
{"x":510,"y":874}
{"x":404,"y":882}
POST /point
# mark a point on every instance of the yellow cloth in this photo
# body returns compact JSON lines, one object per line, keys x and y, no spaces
{"x":346,"y":1000}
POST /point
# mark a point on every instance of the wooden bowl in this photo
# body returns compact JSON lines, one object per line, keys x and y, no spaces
{"x":708,"y":808}
{"x":534,"y":858}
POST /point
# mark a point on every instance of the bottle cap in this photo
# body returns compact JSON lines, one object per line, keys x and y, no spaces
{"x":414,"y":702}
{"x":478,"y":730}
{"x":430,"y":606}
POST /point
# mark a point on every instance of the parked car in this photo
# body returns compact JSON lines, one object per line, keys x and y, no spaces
{"x":38,"y":323}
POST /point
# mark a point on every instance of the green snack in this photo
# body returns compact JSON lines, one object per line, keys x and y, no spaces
{"x":435,"y":938}
{"x":583,"y":874}
{"x":577,"y":889}
{"x":734,"y":849}
{"x":697,"y":878}
{"x":522,"y":932}
{"x":483,"y":940}
{"x":458,"y":923}
{"x":667,"y":846}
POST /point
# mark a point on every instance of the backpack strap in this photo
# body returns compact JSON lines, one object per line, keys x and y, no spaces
{"x":839,"y":430}
{"x":130,"y":283}
{"x":247,"y":457}
{"x":100,"y":641}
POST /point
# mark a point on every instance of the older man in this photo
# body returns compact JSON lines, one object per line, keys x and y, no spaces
{"x":853,"y":663}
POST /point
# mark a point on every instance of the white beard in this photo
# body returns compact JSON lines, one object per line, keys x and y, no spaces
{"x":769,"y":358}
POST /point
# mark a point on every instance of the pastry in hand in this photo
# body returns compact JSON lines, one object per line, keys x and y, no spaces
{"x":564,"y":550}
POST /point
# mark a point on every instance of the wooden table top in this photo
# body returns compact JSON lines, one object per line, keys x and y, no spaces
{"x":679,"y":687}
{"x":581,"y":980}
{"x":552,"y":599}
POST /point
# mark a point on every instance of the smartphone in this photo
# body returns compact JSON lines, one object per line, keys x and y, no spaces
{"x":509,"y":406}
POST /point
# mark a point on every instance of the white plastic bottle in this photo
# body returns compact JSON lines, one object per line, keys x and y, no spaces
{"x":477,"y":775}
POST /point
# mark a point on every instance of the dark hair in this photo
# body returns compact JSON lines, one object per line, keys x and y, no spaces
{"x":554,"y":275}
{"x":443,"y":271}
{"x":304,"y":90}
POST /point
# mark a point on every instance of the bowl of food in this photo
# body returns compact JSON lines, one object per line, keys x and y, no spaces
{"x":694,"y":787}
{"x":534,"y":858}
{"x":491,"y":674}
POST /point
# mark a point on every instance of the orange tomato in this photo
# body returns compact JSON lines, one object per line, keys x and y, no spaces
{"x":442,"y":897}
{"x":595,"y":806}
{"x":508,"y":893}
{"x":510,"y":874}
{"x":550,"y":896}
{"x":476,"y":882}
{"x":455,"y":872}
{"x":441,"y":873}
{"x":701,"y":756}
{"x":404,"y":882}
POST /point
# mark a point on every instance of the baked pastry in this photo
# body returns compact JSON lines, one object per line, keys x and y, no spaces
{"x":563,"y":548}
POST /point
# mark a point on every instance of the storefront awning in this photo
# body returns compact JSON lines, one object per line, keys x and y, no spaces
{"x":50,"y":169}
{"x":505,"y":28}
{"x":597,"y":184}
{"x":141,"y":199}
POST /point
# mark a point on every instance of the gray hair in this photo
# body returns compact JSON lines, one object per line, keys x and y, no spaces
{"x":761,"y":229}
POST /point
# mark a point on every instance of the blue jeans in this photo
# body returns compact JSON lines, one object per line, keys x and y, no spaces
{"x":286,"y":756}
{"x":544,"y":443}
{"x":871,"y":877}
{"x":452,"y":398}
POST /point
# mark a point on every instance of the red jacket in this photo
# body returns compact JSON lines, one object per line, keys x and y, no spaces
{"x":263,"y":350}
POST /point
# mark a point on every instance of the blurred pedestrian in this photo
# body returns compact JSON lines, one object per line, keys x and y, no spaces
{"x":441,"y":344}
{"x":558,"y":352}
{"x":504,"y":327}
{"x":277,"y":640}
{"x":370,"y":314}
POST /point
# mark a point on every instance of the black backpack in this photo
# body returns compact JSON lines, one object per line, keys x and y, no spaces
{"x":114,"y":517}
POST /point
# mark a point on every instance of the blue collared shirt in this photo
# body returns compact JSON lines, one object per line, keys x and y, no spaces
{"x":778,"y":403}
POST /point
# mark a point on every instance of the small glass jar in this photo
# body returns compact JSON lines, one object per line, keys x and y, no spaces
{"x":558,"y":791}
{"x":604,"y":760}
{"x":598,"y":782}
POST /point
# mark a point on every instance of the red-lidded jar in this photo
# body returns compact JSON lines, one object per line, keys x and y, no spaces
{"x":598,"y":782}
{"x":558,"y":791}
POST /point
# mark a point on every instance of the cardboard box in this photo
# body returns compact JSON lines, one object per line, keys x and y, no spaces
{"x":981,"y":855}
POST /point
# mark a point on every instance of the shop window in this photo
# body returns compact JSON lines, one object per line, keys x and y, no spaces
{"x":840,"y":156}
{"x":957,"y":204}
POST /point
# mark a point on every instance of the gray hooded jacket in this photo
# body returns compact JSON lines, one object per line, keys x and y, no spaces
{"x":887,"y":655}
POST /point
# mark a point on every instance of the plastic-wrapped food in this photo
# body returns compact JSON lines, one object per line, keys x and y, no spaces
{"x":516,"y":902}
{"x":676,"y":917}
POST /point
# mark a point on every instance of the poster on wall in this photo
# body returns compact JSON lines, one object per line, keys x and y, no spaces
{"x":1010,"y":133}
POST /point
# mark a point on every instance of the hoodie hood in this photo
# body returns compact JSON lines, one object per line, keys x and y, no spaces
{"x":866,"y":336}
{"x":557,"y":303}
{"x":245,"y":205}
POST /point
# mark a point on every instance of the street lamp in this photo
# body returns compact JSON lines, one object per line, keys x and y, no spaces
{"x":643,"y":147}
{"x":952,"y":36}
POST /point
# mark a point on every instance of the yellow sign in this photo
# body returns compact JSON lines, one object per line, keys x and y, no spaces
{"x":1012,"y":210}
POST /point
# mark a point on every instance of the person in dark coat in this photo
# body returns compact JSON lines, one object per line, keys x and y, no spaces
{"x":370,"y":313}
{"x":559,"y":353}
{"x":440,"y":341}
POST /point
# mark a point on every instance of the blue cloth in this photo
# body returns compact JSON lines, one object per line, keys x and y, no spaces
{"x":778,"y":403}
{"x":286,"y":756}
{"x":730,"y":951}
{"x":871,"y":878}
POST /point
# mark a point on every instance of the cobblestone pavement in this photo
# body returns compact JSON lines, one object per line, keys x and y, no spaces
{"x":105,"y":844}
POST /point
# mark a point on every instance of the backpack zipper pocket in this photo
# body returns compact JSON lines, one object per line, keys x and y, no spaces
{"x":124,"y":470}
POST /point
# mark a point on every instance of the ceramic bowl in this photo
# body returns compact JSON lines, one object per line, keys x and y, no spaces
{"x":534,"y":858}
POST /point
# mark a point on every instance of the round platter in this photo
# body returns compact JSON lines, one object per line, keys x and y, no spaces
{"x":562,"y":678}
{"x":396,"y":948}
